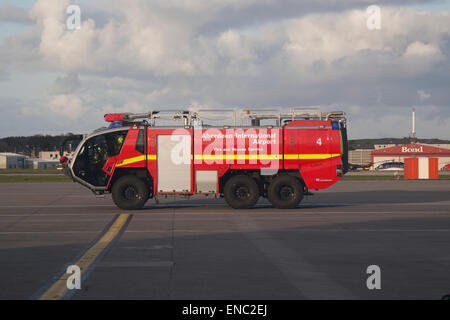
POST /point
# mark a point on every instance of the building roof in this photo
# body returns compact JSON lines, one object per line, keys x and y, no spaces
{"x":412,"y":149}
{"x":43,"y":160}
{"x":11,"y":154}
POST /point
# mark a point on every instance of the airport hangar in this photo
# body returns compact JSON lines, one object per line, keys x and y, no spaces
{"x":412,"y":150}
{"x":10,"y":160}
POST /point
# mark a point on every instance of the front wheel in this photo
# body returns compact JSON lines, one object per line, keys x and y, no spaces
{"x":130,"y":193}
{"x":285,"y":192}
{"x":241,"y":192}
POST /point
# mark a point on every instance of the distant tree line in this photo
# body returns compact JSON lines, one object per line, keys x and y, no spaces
{"x":369,"y":143}
{"x":32,"y":145}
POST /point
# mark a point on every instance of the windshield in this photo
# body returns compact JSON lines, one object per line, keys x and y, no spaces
{"x":93,"y":155}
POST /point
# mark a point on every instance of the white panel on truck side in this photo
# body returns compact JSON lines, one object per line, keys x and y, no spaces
{"x":206,"y":181}
{"x":174,"y":163}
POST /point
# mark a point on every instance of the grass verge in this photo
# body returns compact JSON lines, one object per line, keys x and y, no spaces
{"x":62,"y":178}
{"x":442,"y":177}
{"x":30,"y":171}
{"x":31,"y":178}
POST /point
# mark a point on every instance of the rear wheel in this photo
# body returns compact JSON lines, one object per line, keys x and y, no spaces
{"x":285,"y":192}
{"x":241,"y":192}
{"x":130,"y":193}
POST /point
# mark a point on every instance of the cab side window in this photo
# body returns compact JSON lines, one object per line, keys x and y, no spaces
{"x":140,"y":142}
{"x":115,"y":142}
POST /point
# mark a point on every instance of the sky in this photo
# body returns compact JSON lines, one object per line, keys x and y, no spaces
{"x":142,"y":55}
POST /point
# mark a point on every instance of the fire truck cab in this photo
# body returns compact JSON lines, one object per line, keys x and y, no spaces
{"x":280,"y":156}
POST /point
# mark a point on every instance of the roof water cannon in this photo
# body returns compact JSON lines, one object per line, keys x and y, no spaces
{"x":111,"y":117}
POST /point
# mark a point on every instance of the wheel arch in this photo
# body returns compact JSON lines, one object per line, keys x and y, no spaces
{"x":255,"y":174}
{"x":286,"y":191}
{"x":141,"y":173}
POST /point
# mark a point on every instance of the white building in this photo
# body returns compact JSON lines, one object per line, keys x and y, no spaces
{"x":12,"y":161}
{"x":52,"y":155}
{"x":41,"y":164}
{"x":360,"y":156}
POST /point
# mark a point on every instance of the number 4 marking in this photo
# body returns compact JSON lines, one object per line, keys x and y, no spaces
{"x":319,"y":141}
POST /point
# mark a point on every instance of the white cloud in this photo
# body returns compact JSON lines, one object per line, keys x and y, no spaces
{"x":151,"y":54}
{"x":418,"y":49}
{"x":150,"y":41}
{"x":340,"y":43}
{"x":49,"y":9}
{"x":69,"y":106}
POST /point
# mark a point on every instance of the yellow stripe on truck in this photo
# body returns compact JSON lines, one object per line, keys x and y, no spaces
{"x":312,"y":156}
{"x":238,"y":156}
{"x":135,"y":159}
{"x":315,"y":156}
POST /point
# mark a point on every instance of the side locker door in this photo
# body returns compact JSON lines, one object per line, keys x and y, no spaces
{"x":174,"y":163}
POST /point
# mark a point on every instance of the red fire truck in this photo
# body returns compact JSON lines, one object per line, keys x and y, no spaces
{"x":280,"y":156}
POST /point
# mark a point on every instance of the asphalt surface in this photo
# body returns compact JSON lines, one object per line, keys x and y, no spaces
{"x":202,"y":249}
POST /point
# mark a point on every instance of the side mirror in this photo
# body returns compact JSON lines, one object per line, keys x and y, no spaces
{"x":63,"y":160}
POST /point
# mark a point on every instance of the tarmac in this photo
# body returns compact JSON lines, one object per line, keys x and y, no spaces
{"x":200,"y":248}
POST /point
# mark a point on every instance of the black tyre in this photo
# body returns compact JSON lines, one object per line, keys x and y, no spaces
{"x":241,"y":192}
{"x":130,"y":193}
{"x":285,"y":192}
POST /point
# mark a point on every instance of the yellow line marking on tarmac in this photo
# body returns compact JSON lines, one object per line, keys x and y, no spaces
{"x":59,"y":288}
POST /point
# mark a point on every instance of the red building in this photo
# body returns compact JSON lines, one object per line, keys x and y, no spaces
{"x":412,"y":150}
